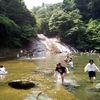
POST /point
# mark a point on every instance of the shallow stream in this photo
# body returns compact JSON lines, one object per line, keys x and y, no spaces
{"x":40,"y":70}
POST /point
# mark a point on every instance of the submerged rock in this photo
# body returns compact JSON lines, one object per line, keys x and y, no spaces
{"x":97,"y":86}
{"x":21,"y":84}
{"x":71,"y":86}
{"x":94,"y":87}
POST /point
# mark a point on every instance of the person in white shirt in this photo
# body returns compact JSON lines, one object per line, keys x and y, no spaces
{"x":91,"y":68}
{"x":2,"y":70}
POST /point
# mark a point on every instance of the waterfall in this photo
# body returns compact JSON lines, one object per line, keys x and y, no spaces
{"x":53,"y":44}
{"x":44,"y":44}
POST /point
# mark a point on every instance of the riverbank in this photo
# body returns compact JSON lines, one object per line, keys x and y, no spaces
{"x":7,"y":52}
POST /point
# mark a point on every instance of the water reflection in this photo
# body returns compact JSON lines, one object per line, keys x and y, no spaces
{"x":76,"y":86}
{"x":2,"y":77}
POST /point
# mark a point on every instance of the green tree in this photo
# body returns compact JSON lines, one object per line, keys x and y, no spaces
{"x":18,"y":25}
{"x":88,"y":8}
{"x":67,"y":25}
{"x":68,"y":5}
{"x":9,"y":33}
{"x":2,"y":7}
{"x":93,"y":34}
{"x":17,"y":11}
{"x":94,"y":8}
{"x":43,"y":15}
{"x":57,"y":22}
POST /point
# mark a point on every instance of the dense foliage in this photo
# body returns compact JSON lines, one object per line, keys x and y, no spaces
{"x":75,"y":22}
{"x":17,"y":24}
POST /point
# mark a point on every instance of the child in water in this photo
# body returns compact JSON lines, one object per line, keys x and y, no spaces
{"x":91,"y":68}
{"x":61,"y":70}
{"x":2,"y":70}
{"x":71,"y":66}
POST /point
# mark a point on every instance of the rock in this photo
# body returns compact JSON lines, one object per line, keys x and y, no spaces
{"x":70,"y":86}
{"x":21,"y":84}
{"x":97,"y":86}
{"x":94,"y":87}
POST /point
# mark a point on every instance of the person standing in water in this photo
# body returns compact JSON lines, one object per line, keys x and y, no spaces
{"x":2,"y":70}
{"x":71,"y":65}
{"x":99,"y":56}
{"x":61,"y":70}
{"x":67,"y":58}
{"x":91,"y":68}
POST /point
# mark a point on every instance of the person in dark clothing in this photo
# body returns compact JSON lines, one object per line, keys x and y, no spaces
{"x":61,"y":70}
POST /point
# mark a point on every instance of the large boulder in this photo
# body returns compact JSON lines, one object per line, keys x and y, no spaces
{"x":21,"y":84}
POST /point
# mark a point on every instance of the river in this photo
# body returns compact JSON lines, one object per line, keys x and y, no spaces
{"x":40,"y":69}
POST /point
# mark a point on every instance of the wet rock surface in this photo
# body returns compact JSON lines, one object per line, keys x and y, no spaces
{"x":97,"y":86}
{"x":43,"y":45}
{"x":94,"y":88}
{"x":21,"y":84}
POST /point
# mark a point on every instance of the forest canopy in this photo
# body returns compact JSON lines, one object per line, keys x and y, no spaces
{"x":17,"y":24}
{"x":75,"y":22}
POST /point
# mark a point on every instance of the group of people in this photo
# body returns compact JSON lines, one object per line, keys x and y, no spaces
{"x":25,"y":53}
{"x":68,"y":60}
{"x":90,"y":67}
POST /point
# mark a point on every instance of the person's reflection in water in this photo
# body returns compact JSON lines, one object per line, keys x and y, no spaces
{"x":2,"y":77}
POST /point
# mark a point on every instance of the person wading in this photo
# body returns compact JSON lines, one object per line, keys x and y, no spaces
{"x":91,"y":68}
{"x":61,"y":70}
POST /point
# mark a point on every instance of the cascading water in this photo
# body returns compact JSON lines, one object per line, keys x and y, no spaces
{"x":43,"y":45}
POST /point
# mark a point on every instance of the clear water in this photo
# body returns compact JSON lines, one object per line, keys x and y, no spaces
{"x":41,"y":70}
